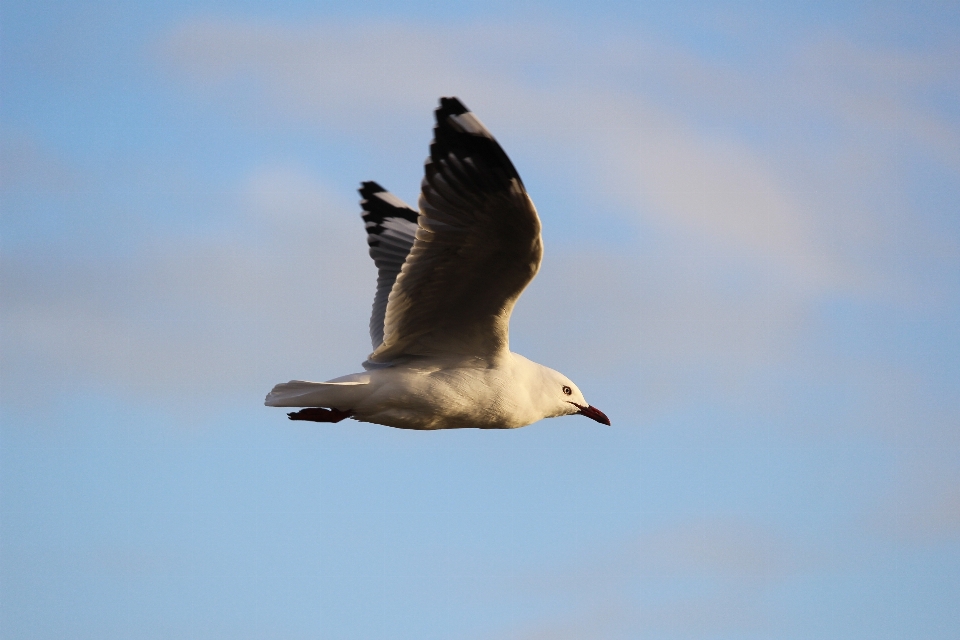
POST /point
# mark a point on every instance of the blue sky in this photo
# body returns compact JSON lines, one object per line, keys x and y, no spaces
{"x":752,"y":266}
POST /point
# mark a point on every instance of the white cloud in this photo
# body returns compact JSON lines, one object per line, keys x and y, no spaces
{"x":329,"y":73}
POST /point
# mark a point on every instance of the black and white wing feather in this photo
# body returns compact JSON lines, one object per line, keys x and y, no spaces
{"x":391,"y":229}
{"x":477,"y":247}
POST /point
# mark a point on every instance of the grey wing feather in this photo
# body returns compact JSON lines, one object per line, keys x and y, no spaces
{"x":477,"y":248}
{"x":391,"y":228}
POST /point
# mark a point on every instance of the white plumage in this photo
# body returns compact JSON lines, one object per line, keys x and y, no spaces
{"x":449,"y":277}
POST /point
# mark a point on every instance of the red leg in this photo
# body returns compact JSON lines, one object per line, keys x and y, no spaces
{"x":316,"y":414}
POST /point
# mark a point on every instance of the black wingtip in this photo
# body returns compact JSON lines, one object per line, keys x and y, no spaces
{"x":369,"y":188}
{"x":376,"y":209}
{"x":450,"y":107}
{"x":468,"y":137}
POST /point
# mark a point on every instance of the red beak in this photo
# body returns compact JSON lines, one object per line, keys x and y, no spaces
{"x":593,"y":413}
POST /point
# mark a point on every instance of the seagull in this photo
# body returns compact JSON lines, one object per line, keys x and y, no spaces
{"x":448,"y":279}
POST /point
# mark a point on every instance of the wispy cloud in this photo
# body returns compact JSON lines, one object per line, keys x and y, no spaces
{"x":923,"y":505}
{"x":25,"y":164}
{"x":648,"y":148}
{"x":194,"y":318}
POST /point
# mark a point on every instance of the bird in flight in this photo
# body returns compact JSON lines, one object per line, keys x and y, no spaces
{"x":449,"y":276}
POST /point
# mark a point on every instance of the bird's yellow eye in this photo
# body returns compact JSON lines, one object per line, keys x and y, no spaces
{"x":567,"y":390}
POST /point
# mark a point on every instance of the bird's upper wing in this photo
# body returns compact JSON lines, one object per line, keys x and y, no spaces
{"x":391,"y":228}
{"x":477,"y":248}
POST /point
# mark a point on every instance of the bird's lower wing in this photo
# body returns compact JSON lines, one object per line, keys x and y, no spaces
{"x":391,"y":229}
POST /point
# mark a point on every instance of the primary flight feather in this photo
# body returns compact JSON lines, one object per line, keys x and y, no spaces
{"x":448,"y":278}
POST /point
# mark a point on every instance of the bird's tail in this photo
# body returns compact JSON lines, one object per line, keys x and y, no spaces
{"x":342,"y":394}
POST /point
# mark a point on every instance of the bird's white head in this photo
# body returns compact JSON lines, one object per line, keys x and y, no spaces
{"x":557,"y":395}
